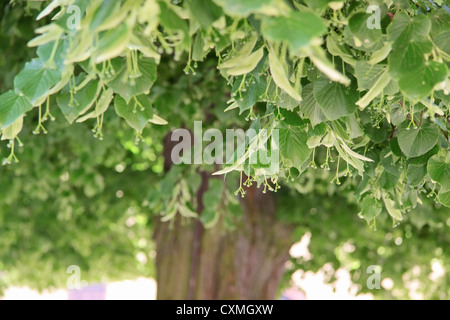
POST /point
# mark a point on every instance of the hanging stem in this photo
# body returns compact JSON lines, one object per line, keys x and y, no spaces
{"x":40,"y":126}
{"x":47,"y":113}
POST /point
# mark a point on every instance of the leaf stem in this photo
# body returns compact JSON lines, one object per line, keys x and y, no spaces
{"x":409,"y":116}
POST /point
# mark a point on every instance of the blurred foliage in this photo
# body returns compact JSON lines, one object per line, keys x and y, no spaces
{"x":73,"y":200}
{"x":77,"y":201}
{"x":17,"y":25}
{"x":411,"y":254}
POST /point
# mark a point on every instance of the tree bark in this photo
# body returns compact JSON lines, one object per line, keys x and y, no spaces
{"x":247,"y":263}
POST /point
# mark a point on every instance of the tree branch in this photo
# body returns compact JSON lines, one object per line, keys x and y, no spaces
{"x":394,"y":128}
{"x":445,"y":134}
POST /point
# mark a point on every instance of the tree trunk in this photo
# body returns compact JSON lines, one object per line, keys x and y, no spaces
{"x":247,"y":263}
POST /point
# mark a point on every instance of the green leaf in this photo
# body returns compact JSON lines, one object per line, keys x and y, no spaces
{"x":395,"y":148}
{"x":149,"y":50}
{"x":107,"y":16}
{"x":293,"y":146}
{"x":392,"y":208}
{"x":370,"y":209}
{"x":285,"y":101}
{"x":171,"y":21}
{"x":319,"y":5}
{"x":292,"y":118}
{"x":81,"y":103}
{"x":389,"y":162}
{"x":243,"y":51}
{"x":335,"y":99}
{"x":49,"y":33}
{"x":309,"y":106}
{"x":246,"y":7}
{"x":205,"y":12}
{"x":101,"y":106}
{"x":11,"y":132}
{"x":142,"y":85}
{"x":402,"y":4}
{"x":338,"y":49}
{"x":319,"y":130}
{"x":247,"y":64}
{"x":416,"y":175}
{"x":12,"y":107}
{"x":423,"y":160}
{"x":381,"y":54}
{"x":137,"y":113}
{"x":368,"y":74}
{"x":439,"y":171}
{"x":377,"y":135}
{"x":298,"y":29}
{"x":158,"y":120}
{"x":408,"y":59}
{"x":442,"y":42}
{"x":378,"y":88}
{"x":445,"y":98}
{"x":365,"y":36}
{"x":320,"y":60}
{"x":417,"y":142}
{"x":439,"y":22}
{"x":404,"y":29}
{"x":444,"y":198}
{"x":246,"y":100}
{"x":356,"y":163}
{"x":112,"y":43}
{"x":354,"y":127}
{"x":419,"y":84}
{"x":36,"y":80}
{"x":52,"y":6}
{"x":51,"y":56}
{"x":280,"y":77}
{"x":352,"y":153}
{"x":392,"y":87}
{"x":398,"y":114}
{"x":198,"y":52}
{"x":388,"y":181}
